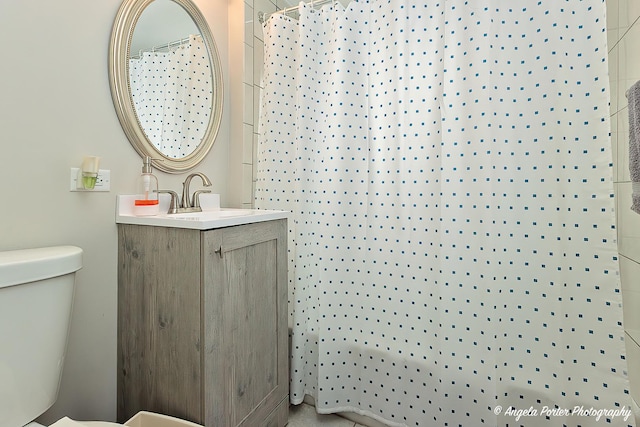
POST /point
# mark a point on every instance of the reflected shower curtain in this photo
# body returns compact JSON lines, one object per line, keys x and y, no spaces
{"x":171,"y":93}
{"x":452,"y":244}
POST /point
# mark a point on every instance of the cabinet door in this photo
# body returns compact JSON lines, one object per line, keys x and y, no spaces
{"x":245,"y":324}
{"x":159,"y":332}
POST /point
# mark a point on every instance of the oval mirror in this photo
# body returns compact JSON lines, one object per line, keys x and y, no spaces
{"x":166,"y":81}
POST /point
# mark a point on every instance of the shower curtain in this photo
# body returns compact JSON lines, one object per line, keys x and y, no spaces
{"x":171,"y":93}
{"x":452,"y":243}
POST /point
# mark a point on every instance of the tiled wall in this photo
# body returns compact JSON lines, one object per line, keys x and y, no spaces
{"x":623,"y":31}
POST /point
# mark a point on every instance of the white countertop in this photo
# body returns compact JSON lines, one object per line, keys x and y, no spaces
{"x":209,"y":219}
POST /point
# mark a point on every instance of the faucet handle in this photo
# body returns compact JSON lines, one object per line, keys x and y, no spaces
{"x":174,"y":206}
{"x":195,"y":200}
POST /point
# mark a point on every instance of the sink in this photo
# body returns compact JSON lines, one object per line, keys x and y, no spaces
{"x":206,"y":220}
{"x":207,"y":215}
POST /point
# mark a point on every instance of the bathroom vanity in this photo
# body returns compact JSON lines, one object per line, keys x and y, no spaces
{"x":202,"y":317}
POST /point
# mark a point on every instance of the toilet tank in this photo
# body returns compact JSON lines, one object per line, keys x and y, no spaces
{"x":36,"y":297}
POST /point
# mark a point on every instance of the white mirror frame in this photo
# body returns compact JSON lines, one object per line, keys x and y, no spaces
{"x":119,"y":52}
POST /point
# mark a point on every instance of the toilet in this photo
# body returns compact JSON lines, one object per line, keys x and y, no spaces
{"x":36,"y":298}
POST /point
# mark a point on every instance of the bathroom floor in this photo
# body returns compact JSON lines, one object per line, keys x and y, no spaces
{"x":305,"y":416}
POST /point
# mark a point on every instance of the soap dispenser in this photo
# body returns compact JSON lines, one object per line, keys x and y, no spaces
{"x":146,"y":201}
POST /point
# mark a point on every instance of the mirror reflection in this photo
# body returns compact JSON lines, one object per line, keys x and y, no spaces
{"x":166,"y":81}
{"x":170,"y":79}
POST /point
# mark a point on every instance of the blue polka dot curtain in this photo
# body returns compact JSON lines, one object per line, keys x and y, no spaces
{"x":452,"y":240}
{"x":172,"y":96}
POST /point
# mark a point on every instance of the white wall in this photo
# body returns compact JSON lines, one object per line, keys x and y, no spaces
{"x":623,"y":31}
{"x":56,"y":107}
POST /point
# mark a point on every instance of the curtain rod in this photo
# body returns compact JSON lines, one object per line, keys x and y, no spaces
{"x":263,"y":16}
{"x":164,"y":46}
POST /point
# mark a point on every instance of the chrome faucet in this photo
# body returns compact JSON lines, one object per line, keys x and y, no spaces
{"x":185,"y":204}
{"x":174,"y":204}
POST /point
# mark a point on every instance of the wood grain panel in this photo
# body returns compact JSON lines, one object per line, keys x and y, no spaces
{"x":246,"y":311}
{"x":159,"y":331}
{"x":202,"y":324}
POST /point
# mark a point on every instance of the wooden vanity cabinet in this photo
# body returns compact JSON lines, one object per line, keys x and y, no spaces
{"x":202,"y":323}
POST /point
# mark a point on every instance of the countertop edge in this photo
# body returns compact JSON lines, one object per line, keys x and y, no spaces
{"x":167,"y":221}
